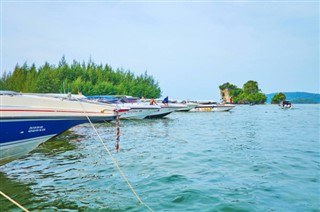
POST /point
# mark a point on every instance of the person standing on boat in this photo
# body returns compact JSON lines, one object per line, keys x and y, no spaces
{"x":231,"y":99}
{"x":166,"y":101}
{"x":152,"y":102}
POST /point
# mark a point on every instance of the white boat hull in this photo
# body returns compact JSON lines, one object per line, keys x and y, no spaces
{"x":20,"y":148}
{"x":137,"y":113}
{"x":187,"y":107}
{"x":138,"y":110}
{"x":222,"y":108}
{"x":28,"y":120}
{"x":213,"y":108}
{"x":203,"y":108}
{"x":162,"y":112}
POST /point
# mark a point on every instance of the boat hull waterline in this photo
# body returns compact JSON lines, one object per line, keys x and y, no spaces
{"x":25,"y":123}
{"x":164,"y":111}
{"x":213,"y":108}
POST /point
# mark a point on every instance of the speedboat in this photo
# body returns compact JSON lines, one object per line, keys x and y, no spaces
{"x":137,"y":109}
{"x":203,"y":107}
{"x":165,"y":110}
{"x":29,"y":120}
{"x":187,"y":106}
{"x":222,"y":107}
{"x":285,"y":105}
{"x":212,"y":107}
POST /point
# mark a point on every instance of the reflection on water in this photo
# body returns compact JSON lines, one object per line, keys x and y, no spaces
{"x":19,"y":191}
{"x":19,"y":185}
{"x":253,"y":159}
{"x":59,"y":144}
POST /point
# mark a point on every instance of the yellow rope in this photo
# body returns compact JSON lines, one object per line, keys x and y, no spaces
{"x":14,"y":202}
{"x":113,"y":160}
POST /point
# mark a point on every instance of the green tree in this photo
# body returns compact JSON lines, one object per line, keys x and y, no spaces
{"x":251,"y":87}
{"x":46,"y":81}
{"x":279,"y":97}
{"x":16,"y":81}
{"x":228,"y":86}
{"x":30,"y":79}
{"x":249,"y":94}
{"x":88,"y":78}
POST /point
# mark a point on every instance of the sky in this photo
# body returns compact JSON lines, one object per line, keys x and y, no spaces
{"x":189,"y":47}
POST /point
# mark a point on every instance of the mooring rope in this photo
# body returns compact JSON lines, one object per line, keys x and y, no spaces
{"x":14,"y":202}
{"x":113,"y":159}
{"x":118,"y":130}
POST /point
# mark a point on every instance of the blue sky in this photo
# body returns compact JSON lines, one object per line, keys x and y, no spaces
{"x":190,"y":48}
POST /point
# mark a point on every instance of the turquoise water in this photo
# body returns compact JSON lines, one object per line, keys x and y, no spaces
{"x":255,"y":158}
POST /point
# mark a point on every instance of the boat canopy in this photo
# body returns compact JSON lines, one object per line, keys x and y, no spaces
{"x":286,"y":103}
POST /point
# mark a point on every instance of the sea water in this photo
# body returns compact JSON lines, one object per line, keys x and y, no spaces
{"x":254,"y":158}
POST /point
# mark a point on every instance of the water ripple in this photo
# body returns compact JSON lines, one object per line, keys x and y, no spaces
{"x":256,"y":158}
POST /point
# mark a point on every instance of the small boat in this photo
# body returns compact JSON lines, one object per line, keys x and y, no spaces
{"x":222,"y":107}
{"x":187,"y":106}
{"x":203,"y":107}
{"x":29,"y":120}
{"x":137,"y":109}
{"x":165,"y":110}
{"x":285,"y":105}
{"x":212,"y":107}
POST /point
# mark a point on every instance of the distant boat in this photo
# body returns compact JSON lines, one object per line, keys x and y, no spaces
{"x":222,"y":107}
{"x":285,"y":105}
{"x":137,"y":109}
{"x":212,"y":107}
{"x":203,"y":107}
{"x":187,"y":106}
{"x":165,"y":110}
{"x":29,"y":120}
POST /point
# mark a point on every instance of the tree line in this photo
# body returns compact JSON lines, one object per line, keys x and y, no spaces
{"x":249,"y":93}
{"x":279,"y":97}
{"x":88,"y":78}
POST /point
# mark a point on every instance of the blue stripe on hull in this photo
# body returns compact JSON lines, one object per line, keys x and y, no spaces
{"x":13,"y":131}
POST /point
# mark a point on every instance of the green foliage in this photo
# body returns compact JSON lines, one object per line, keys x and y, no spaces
{"x":88,"y":78}
{"x":251,"y":87}
{"x":299,"y":97}
{"x":228,"y":86}
{"x":235,"y":92}
{"x":249,"y":94}
{"x":278,"y":98}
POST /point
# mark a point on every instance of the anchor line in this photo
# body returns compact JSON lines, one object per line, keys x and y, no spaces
{"x":118,"y":130}
{"x":113,"y":159}
{"x":13,"y":201}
